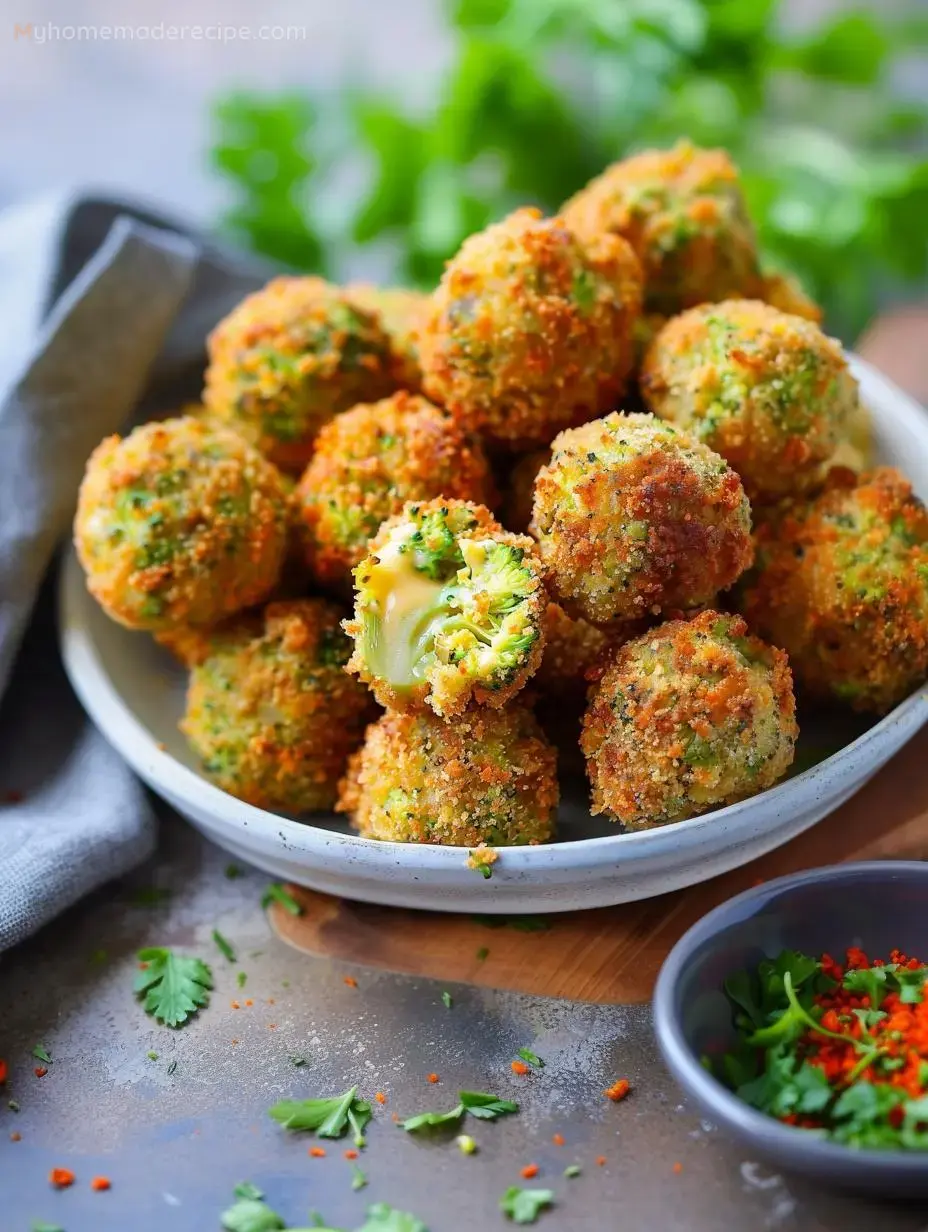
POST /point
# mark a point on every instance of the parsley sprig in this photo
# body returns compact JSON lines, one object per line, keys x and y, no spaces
{"x":525,"y":1205}
{"x":329,"y":1118}
{"x":478,"y":1104}
{"x":172,"y":986}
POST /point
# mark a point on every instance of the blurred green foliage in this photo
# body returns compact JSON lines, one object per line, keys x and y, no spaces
{"x":541,"y":94}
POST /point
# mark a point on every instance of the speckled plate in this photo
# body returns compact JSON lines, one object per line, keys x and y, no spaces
{"x":134,"y":693}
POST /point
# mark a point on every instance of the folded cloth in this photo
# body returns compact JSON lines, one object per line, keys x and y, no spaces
{"x":100,"y":303}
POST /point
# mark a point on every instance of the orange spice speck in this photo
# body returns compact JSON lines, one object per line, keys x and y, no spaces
{"x":16,"y":1136}
{"x":61,"y":1178}
{"x":40,"y":1071}
{"x":678,"y":1167}
{"x":235,"y":1041}
{"x":350,"y":1154}
{"x":272,"y":1026}
{"x":618,"y":1090}
{"x":519,"y":1067}
{"x":271,"y":1001}
{"x":100,"y":1183}
{"x":431,"y":1077}
{"x":317,"y":1152}
{"x":249,"y":1002}
{"x":235,"y":1005}
{"x":380,"y":1097}
{"x":394,"y":1118}
{"x":558,"y":1139}
{"x":350,"y":981}
{"x":529,"y":1171}
{"x":600,"y":1160}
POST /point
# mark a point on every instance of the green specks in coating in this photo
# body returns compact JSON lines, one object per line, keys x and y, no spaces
{"x":584,"y":289}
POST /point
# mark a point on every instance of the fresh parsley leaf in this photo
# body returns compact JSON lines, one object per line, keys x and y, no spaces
{"x":486,"y":1107}
{"x":329,"y":1118}
{"x":911,"y":984}
{"x":233,"y":872}
{"x":482,"y":954}
{"x":531,"y":1058}
{"x":525,"y":1205}
{"x":152,"y":1056}
{"x":427,"y":1120}
{"x":172,"y":986}
{"x":358,"y":1177}
{"x":241,"y":979}
{"x":572,"y":1171}
{"x":447,"y":1000}
{"x":869,"y":982}
{"x":245,"y":1189}
{"x":741,"y":991}
{"x":40,"y":1052}
{"x":251,"y":1215}
{"x":276,"y":893}
{"x":384,"y":1218}
{"x":39,"y":1225}
{"x":224,"y":947}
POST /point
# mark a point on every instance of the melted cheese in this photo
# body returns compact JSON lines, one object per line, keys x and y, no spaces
{"x":399,"y":632}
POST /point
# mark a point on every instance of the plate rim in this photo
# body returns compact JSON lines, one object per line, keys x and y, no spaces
{"x":135,"y":743}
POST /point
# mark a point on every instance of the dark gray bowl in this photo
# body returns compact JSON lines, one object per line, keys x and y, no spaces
{"x":878,"y":906}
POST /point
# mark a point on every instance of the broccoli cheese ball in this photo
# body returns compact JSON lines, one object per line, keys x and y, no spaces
{"x":768,"y":391}
{"x":179,"y":524}
{"x":690,"y":716}
{"x":271,"y":711}
{"x":531,"y":329}
{"x":487,"y":776}
{"x":401,"y":313}
{"x":841,"y":584}
{"x":683,"y":213}
{"x":449,"y":609}
{"x":634,"y":517}
{"x":288,"y":358}
{"x":368,"y":462}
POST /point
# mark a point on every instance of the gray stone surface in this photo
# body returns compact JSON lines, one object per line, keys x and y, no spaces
{"x":174,"y":1145}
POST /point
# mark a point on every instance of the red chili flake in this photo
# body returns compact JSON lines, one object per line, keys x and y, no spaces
{"x":519,"y":1067}
{"x":558,"y":1139}
{"x":529,"y":1171}
{"x":431,"y":1078}
{"x":101,"y":1183}
{"x":40,"y":1071}
{"x":350,"y":981}
{"x":380,"y":1097}
{"x":350,"y":1154}
{"x":249,"y":1002}
{"x":15,"y":1136}
{"x":317,"y":1152}
{"x":678,"y":1167}
{"x":61,"y":1178}
{"x":4,"y":1071}
{"x":618,"y":1090}
{"x":600,"y":1160}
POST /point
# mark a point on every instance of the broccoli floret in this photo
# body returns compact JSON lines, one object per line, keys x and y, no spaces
{"x":443,"y":613}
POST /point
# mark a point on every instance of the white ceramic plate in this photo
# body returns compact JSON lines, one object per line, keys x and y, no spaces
{"x":134,"y":693}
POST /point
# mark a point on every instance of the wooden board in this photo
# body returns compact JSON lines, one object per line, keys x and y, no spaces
{"x":611,"y":955}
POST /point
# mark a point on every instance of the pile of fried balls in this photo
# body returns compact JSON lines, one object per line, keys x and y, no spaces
{"x":608,"y":468}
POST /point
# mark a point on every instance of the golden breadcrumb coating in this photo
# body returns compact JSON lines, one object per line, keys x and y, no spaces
{"x":634,"y":517}
{"x":691,"y":716}
{"x":179,"y":523}
{"x":485,"y":776}
{"x":530,"y":330}
{"x":368,"y":462}
{"x":841,"y":583}
{"x":271,"y":711}
{"x":288,"y":358}
{"x":401,"y":313}
{"x":768,"y":391}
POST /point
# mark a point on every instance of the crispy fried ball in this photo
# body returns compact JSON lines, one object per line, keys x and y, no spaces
{"x":683,"y":213}
{"x":179,"y":524}
{"x":691,"y":716}
{"x":449,"y":609}
{"x":531,"y":329}
{"x":634,"y":517}
{"x":288,"y":358}
{"x":271,"y":711}
{"x":841,"y":584}
{"x":401,"y":313}
{"x":368,"y":462}
{"x":487,"y":776}
{"x":768,"y":391}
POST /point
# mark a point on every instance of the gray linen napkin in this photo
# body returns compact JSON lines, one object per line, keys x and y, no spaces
{"x":99,"y":303}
